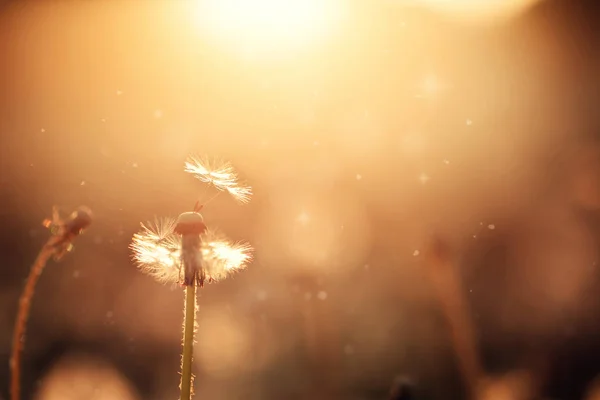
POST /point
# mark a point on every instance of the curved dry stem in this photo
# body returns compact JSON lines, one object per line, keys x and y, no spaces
{"x":443,"y":275}
{"x":22,"y":316}
{"x":189,"y":328}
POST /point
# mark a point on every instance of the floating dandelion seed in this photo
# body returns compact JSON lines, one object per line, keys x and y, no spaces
{"x":219,"y":174}
{"x":158,"y":251}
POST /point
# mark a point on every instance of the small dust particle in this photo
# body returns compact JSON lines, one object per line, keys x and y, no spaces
{"x":82,"y":183}
{"x":109,"y":314}
{"x":307,"y":295}
{"x":42,"y":130}
{"x":348,"y":349}
{"x":416,"y":253}
{"x":76,"y":274}
{"x":358,"y":177}
{"x":261,"y":295}
{"x":469,"y":122}
{"x":322,"y":295}
{"x":446,"y":162}
{"x":491,"y":227}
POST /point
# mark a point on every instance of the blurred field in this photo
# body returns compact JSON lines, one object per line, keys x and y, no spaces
{"x":398,"y":121}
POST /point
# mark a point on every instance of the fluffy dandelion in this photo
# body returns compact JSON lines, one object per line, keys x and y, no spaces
{"x":185,"y":251}
{"x":219,"y":174}
{"x":157,"y":250}
{"x":64,"y":232}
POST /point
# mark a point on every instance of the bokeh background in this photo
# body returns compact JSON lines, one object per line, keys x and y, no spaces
{"x":364,"y":132}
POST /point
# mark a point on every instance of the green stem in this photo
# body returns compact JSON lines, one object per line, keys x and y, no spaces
{"x":188,"y":342}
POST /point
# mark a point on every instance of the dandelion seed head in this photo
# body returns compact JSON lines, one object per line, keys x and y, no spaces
{"x":158,"y":253}
{"x":219,"y":174}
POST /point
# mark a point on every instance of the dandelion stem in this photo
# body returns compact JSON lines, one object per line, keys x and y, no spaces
{"x":188,"y":341}
{"x":22,"y":316}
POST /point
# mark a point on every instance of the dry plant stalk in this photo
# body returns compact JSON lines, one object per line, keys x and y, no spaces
{"x":442,"y":273}
{"x":186,"y":252}
{"x":61,"y":242}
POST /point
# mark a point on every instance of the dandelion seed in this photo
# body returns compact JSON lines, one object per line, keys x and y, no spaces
{"x":219,"y":174}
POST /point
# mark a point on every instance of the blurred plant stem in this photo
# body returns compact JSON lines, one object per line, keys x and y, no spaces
{"x":23,"y":315}
{"x":61,"y":242}
{"x":447,"y":285}
{"x":321,"y":337}
{"x":188,"y":341}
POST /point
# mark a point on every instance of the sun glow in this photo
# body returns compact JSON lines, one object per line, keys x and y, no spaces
{"x":479,"y":11}
{"x":259,"y":25}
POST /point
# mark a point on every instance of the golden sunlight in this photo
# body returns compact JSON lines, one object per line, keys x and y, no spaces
{"x":480,"y":11}
{"x":259,"y":25}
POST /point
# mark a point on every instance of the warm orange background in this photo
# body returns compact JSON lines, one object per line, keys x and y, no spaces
{"x":394,"y":122}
